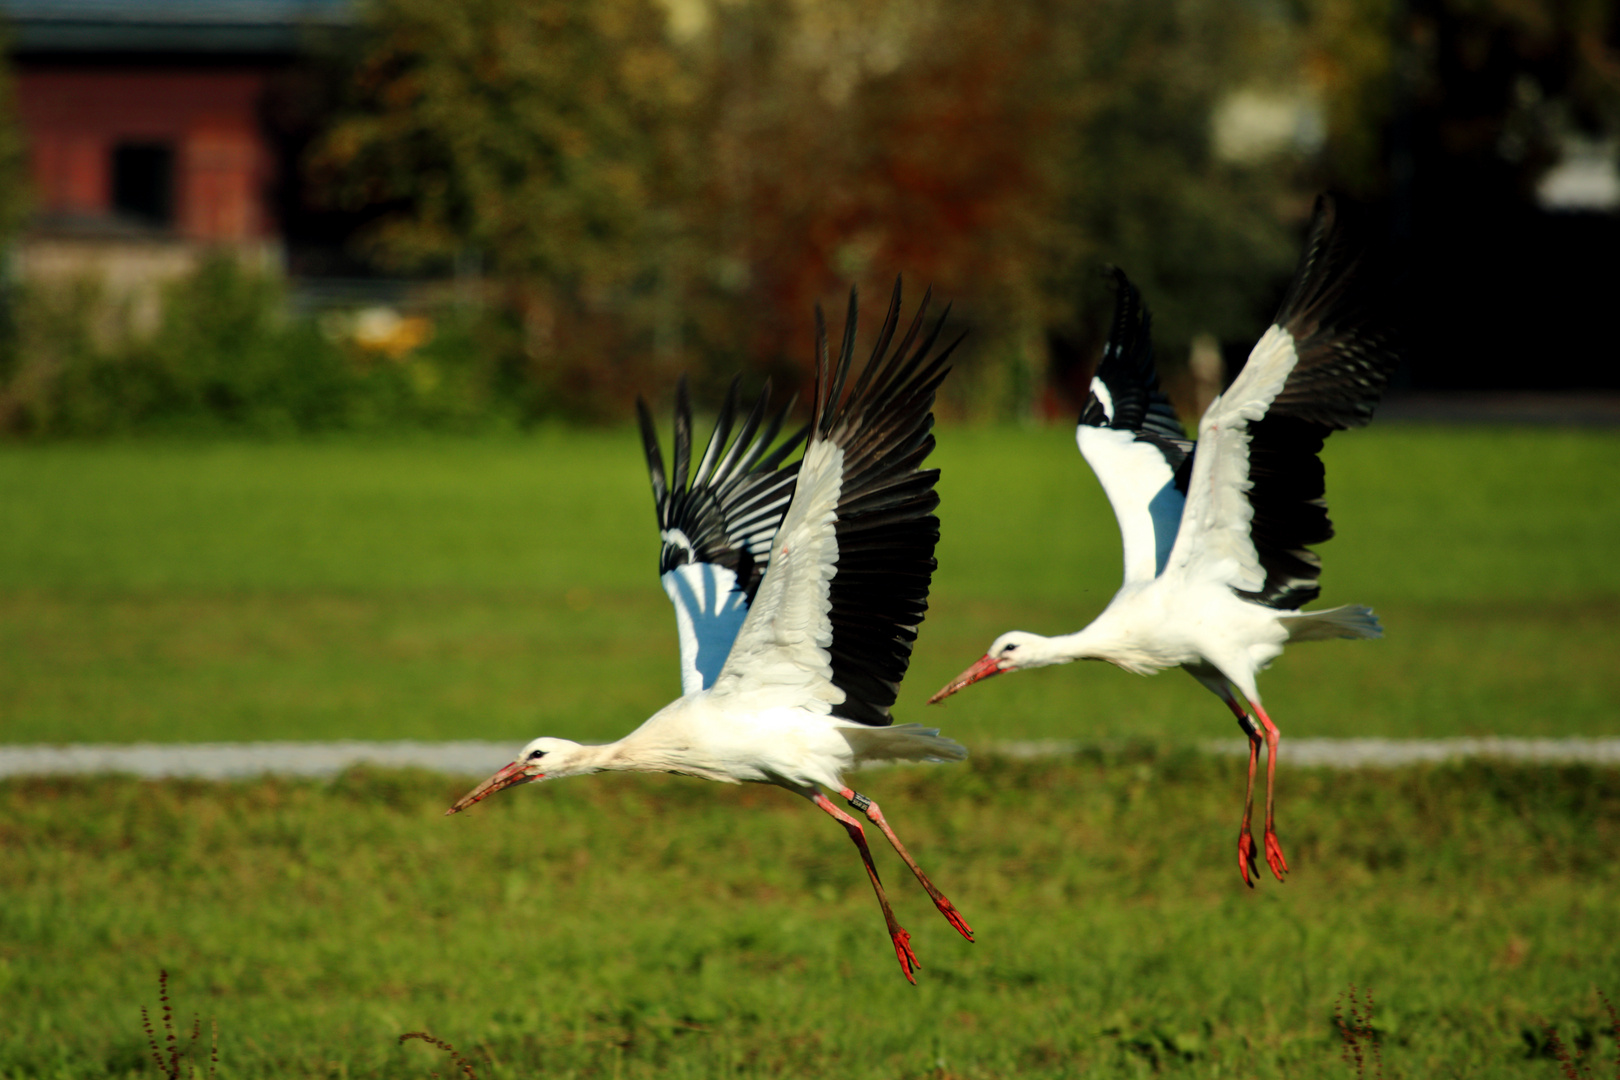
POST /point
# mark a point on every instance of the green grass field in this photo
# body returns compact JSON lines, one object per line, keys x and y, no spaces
{"x":663,"y":927}
{"x":504,"y":589}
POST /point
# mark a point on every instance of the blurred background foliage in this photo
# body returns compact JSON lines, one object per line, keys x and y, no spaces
{"x":658,"y":188}
{"x":13,"y":182}
{"x":227,"y":355}
{"x":615,"y":191}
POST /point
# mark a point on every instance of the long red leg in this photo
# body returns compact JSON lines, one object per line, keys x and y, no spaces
{"x":875,"y":814}
{"x":902,"y":940}
{"x":1274,"y":854}
{"x":1245,"y":837}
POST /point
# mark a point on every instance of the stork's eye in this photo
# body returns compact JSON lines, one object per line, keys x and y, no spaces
{"x":536,"y":755}
{"x":1008,"y":647}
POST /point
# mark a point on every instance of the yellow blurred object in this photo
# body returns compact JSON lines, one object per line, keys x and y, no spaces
{"x":384,"y":330}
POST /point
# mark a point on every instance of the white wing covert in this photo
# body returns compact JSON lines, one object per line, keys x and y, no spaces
{"x":1255,"y":497}
{"x":835,"y":618}
{"x":716,"y":523}
{"x":1131,"y":437}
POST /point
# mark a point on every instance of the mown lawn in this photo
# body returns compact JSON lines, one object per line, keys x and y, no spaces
{"x":506,"y":588}
{"x":663,"y":927}
{"x":623,"y":927}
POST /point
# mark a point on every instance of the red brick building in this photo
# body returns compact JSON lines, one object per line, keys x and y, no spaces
{"x":146,"y":129}
{"x":173,"y":150}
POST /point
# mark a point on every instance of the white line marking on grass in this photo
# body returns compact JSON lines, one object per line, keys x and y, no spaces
{"x":227,"y":761}
{"x":1377,"y":753}
{"x":1380,"y":753}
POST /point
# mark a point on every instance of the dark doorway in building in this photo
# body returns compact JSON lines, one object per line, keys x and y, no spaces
{"x":143,"y":183}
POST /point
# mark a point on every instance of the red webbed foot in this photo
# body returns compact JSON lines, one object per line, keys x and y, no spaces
{"x":1246,"y":865}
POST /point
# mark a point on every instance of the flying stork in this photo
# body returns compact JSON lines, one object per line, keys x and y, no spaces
{"x":804,"y":690}
{"x":1217,"y":534}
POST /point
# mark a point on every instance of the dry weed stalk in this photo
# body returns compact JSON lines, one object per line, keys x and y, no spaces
{"x":1575,"y":1068}
{"x":171,"y":1052}
{"x":1358,"y":1032}
{"x":455,"y":1055}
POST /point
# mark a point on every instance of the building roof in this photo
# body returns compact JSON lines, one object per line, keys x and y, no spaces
{"x":146,"y":26}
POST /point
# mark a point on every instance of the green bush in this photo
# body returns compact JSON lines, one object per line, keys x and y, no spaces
{"x":227,"y":355}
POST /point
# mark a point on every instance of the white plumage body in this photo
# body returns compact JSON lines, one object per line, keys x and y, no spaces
{"x":1166,"y":622}
{"x":1216,"y":534}
{"x":793,"y":686}
{"x":748,"y":739}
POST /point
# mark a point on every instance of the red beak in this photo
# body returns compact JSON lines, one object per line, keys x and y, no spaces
{"x":514,"y":774}
{"x":984,"y":667}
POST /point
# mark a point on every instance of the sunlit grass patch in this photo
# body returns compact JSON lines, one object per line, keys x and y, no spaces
{"x":657,"y":926}
{"x":505,"y":587}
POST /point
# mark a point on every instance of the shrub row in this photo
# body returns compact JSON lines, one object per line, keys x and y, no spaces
{"x":227,"y":354}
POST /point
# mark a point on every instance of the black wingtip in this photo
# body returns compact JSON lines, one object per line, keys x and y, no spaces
{"x":891,"y":320}
{"x":819,"y":414}
{"x":1130,"y":335}
{"x":1331,"y":253}
{"x":1340,"y":313}
{"x":1129,"y":376}
{"x":846,"y":352}
{"x":655,"y":457}
{"x":745,"y":449}
{"x":681,"y":454}
{"x":1126,"y":295}
{"x":885,"y":526}
{"x":721,"y":432}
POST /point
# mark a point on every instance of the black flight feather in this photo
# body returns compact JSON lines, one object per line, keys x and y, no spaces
{"x":1128,"y":371}
{"x":886,"y":529}
{"x":728,"y":510}
{"x":1337,"y":313}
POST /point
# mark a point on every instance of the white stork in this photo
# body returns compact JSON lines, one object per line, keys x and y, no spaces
{"x":805,"y":689}
{"x":1217,"y":562}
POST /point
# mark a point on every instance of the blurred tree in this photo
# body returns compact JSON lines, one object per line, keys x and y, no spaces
{"x":1353,"y":55}
{"x":1205,"y":235}
{"x":679,"y":191}
{"x":851,"y":140}
{"x":1453,"y":113}
{"x":13,"y":155}
{"x":1002,"y":154}
{"x":531,"y":139}
{"x":1498,"y":85}
{"x":1489,"y":87}
{"x":13,"y":211}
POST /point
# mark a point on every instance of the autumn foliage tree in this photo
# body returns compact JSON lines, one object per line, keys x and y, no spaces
{"x":527,"y":142}
{"x":654,"y":188}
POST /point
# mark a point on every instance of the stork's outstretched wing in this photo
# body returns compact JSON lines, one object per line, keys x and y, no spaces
{"x":717,"y":523}
{"x":1130,"y":436}
{"x":1254,"y":499}
{"x":835,"y":618}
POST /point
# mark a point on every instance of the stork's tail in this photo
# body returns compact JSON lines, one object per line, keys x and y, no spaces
{"x":902,"y":742}
{"x":1349,"y":621}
